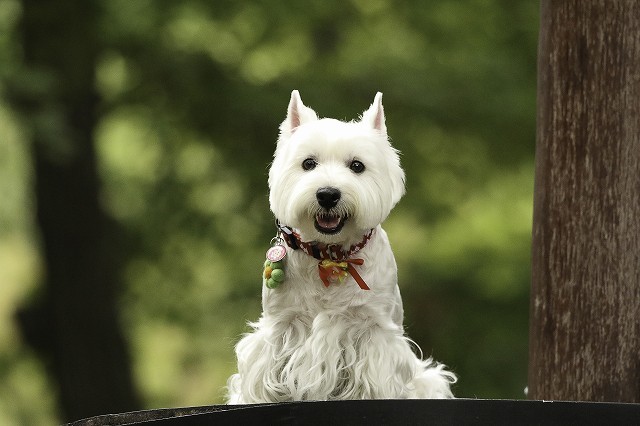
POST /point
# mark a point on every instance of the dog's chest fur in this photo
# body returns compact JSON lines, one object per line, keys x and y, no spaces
{"x":331,"y":342}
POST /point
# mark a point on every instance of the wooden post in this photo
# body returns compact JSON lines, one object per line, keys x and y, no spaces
{"x":585,"y":298}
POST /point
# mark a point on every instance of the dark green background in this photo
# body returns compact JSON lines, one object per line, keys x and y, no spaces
{"x":191,"y":96}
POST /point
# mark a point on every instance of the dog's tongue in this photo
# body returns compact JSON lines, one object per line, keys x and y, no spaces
{"x":328,"y":221}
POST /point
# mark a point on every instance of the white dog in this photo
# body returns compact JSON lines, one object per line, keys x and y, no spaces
{"x":331,"y":326}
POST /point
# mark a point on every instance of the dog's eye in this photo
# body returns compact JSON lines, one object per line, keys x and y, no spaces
{"x":356,"y":166}
{"x":309,"y":164}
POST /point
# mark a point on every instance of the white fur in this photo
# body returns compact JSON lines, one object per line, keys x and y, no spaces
{"x":338,"y":342}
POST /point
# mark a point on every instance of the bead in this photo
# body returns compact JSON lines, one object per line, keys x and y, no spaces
{"x":277,"y":275}
{"x":267,"y":272}
{"x":271,"y":283}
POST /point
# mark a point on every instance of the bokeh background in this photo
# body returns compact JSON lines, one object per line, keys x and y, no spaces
{"x":187,"y":99}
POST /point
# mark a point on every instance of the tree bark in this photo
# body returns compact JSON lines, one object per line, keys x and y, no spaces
{"x":585,"y":298}
{"x":73,"y":324}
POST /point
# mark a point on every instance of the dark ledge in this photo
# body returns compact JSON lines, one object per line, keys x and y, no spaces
{"x":385,"y":412}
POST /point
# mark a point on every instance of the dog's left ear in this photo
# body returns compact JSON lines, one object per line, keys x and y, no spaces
{"x":297,"y":114}
{"x":374,"y":116}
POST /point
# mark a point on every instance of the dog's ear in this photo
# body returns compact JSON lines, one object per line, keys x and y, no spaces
{"x":297,"y":114}
{"x":374,"y":116}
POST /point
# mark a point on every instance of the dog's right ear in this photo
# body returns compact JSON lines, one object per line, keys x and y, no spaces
{"x":297,"y":114}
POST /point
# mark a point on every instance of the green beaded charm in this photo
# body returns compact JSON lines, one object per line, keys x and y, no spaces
{"x":273,"y":274}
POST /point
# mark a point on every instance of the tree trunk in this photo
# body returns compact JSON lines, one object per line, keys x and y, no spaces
{"x":73,"y":324}
{"x":585,"y":299}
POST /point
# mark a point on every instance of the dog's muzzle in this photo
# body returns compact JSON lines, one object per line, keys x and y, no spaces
{"x":327,"y":221}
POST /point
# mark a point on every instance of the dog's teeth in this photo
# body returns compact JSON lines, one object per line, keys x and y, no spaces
{"x":328,"y":221}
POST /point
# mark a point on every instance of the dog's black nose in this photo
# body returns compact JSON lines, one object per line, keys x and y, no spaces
{"x":328,"y":197}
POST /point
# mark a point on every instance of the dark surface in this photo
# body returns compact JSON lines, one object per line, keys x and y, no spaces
{"x":386,"y":412}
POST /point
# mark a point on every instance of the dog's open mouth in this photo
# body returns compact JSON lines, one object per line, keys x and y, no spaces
{"x":329,"y":223}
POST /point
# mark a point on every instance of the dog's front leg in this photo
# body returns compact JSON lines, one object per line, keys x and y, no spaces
{"x":269,"y":361}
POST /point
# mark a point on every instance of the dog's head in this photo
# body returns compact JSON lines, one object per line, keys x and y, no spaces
{"x":334,"y":180}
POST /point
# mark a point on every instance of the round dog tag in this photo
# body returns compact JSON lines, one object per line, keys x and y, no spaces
{"x":276,"y":253}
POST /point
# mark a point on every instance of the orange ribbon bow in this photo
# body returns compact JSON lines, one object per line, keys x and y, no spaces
{"x":332,"y":272}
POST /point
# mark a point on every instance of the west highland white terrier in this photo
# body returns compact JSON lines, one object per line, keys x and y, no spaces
{"x":331,"y":326}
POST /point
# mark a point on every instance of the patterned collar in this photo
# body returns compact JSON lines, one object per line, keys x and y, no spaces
{"x":333,"y":252}
{"x":335,"y":263}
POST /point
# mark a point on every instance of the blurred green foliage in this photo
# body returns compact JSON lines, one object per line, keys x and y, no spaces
{"x":192,"y":95}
